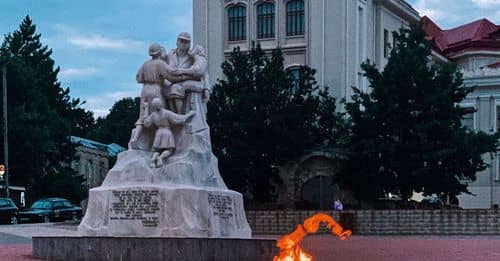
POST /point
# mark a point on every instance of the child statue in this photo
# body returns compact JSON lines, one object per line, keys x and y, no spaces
{"x":151,"y":75}
{"x":162,"y":119}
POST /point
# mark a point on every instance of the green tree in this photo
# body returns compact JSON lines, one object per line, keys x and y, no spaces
{"x":405,"y":134}
{"x":42,"y":115}
{"x":118,"y":124}
{"x":261,"y":118}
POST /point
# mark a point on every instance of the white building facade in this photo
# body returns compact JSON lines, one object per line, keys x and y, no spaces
{"x":475,"y":48}
{"x":336,"y":36}
{"x":332,"y":36}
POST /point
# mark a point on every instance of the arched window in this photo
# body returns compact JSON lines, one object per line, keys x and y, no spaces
{"x":295,"y":22}
{"x":237,"y":18}
{"x":265,"y":20}
{"x":295,"y":75}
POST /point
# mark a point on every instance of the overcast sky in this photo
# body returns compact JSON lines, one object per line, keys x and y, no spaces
{"x":100,"y":44}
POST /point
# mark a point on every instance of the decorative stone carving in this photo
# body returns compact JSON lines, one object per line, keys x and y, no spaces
{"x":181,"y":194}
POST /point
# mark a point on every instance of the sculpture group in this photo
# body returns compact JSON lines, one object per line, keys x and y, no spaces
{"x":168,"y":182}
{"x":174,"y":87}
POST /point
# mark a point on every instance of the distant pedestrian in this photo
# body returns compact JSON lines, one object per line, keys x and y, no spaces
{"x":337,"y":205}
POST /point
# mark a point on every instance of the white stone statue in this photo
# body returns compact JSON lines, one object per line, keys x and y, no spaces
{"x":151,"y":75}
{"x":188,"y":75}
{"x":162,"y":119}
{"x":168,"y":183}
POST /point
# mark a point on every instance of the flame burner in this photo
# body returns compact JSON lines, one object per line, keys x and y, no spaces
{"x":290,"y":244}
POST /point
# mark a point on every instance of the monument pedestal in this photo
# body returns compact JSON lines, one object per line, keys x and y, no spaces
{"x":166,"y":189}
{"x":165,"y":211}
{"x":180,"y":199}
{"x":138,"y":248}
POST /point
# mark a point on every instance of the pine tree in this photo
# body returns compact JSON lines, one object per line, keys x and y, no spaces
{"x":261,"y":119}
{"x":406,"y":134}
{"x":42,"y":115}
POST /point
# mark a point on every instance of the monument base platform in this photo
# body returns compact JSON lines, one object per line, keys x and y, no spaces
{"x":134,"y":248}
{"x":164,"y":210}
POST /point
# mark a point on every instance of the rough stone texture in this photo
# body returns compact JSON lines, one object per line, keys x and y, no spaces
{"x":174,"y":211}
{"x":185,"y":185}
{"x":185,"y":249}
{"x":190,"y":168}
{"x":387,"y":222}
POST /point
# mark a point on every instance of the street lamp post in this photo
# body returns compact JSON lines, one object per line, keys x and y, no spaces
{"x":5,"y":136}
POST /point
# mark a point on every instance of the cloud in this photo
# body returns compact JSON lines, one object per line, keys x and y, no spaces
{"x":441,"y":11}
{"x":486,"y":3}
{"x":452,"y":13}
{"x":101,"y":42}
{"x":101,"y":104}
{"x":72,"y":73}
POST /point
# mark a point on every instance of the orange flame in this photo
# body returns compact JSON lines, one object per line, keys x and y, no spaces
{"x":290,"y":244}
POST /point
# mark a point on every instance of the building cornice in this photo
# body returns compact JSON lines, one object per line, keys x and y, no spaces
{"x":475,"y":52}
{"x":92,"y":151}
{"x":482,"y":81}
{"x":401,"y":8}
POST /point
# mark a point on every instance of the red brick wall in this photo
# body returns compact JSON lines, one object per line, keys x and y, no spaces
{"x":387,"y":222}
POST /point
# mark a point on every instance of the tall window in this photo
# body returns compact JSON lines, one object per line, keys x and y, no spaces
{"x":394,"y":41}
{"x":497,"y":174}
{"x":295,"y":77}
{"x":468,"y":119}
{"x":265,"y":20}
{"x":237,"y":18}
{"x":386,"y":43}
{"x":498,"y":118}
{"x":295,"y":22}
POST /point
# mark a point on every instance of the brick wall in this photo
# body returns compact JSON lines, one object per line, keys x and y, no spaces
{"x":387,"y":222}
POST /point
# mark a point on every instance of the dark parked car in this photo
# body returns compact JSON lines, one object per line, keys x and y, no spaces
{"x":49,"y":210}
{"x":8,"y":211}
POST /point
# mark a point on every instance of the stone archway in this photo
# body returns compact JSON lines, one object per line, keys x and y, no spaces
{"x":315,"y":186}
{"x":319,"y":192}
{"x":310,"y":182}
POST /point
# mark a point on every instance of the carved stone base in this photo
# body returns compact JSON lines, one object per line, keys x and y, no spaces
{"x":165,"y":211}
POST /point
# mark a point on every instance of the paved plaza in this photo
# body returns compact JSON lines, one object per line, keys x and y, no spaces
{"x":15,"y":244}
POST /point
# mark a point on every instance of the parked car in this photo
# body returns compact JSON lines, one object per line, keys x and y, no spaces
{"x":50,"y":210}
{"x":8,"y":211}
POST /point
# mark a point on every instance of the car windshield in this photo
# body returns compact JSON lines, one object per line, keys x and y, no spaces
{"x":42,"y":204}
{"x":5,"y":203}
{"x":67,"y":204}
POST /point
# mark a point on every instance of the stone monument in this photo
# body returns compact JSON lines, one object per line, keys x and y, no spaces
{"x":167,"y":184}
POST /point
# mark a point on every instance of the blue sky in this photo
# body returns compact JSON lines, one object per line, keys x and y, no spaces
{"x":100,"y":44}
{"x":452,"y":13}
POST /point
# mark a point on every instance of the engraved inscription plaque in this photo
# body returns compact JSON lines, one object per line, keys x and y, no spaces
{"x":135,"y":205}
{"x":222,"y":205}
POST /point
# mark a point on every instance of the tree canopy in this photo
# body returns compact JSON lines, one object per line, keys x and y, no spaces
{"x":41,"y":113}
{"x":261,"y":117}
{"x":118,"y":124}
{"x":406,"y":133}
